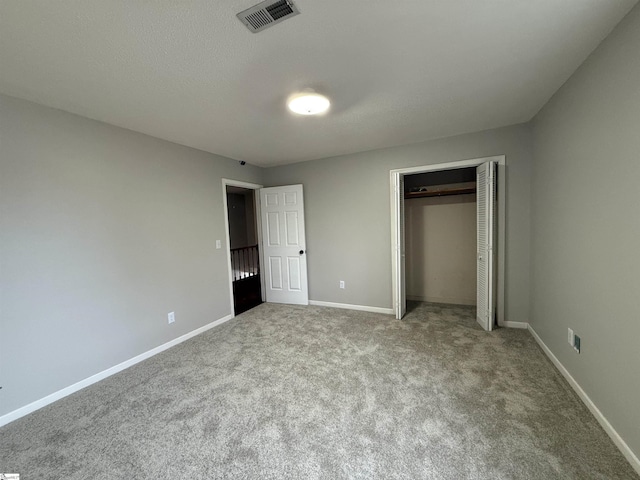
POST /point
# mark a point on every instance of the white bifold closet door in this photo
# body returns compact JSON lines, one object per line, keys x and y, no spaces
{"x":486,"y":206}
{"x":400,"y":250}
{"x":283,"y":237}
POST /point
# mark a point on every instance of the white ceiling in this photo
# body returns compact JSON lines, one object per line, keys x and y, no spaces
{"x":397,"y":72}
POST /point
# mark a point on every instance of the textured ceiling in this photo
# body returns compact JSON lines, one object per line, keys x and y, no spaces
{"x":397,"y":72}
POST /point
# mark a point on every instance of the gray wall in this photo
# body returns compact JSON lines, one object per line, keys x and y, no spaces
{"x":586,"y":226}
{"x":348,"y":214}
{"x":103,"y":232}
{"x":441,"y":249}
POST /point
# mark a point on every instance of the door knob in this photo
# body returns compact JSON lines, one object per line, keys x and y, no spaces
{"x":301,"y":252}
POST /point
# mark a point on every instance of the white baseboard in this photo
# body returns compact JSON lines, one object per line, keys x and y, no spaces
{"x":363,"y":308}
{"x":31,"y":407}
{"x":509,"y":324}
{"x":617,"y":439}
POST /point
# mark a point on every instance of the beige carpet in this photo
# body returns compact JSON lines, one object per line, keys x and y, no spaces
{"x":319,"y":393}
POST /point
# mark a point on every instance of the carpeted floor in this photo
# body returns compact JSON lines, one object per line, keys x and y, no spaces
{"x":318,"y":393}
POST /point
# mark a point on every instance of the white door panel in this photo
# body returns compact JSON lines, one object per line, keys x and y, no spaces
{"x":273,"y":229}
{"x":275,"y":273}
{"x":486,"y":199}
{"x":284,"y":244}
{"x":291,"y":222}
{"x":295,"y":283}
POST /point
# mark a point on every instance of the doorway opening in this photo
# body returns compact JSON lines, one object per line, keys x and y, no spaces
{"x":440,"y":236}
{"x":243,"y":245}
{"x":487,"y":238}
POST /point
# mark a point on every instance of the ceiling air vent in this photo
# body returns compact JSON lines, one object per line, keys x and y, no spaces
{"x":266,"y":14}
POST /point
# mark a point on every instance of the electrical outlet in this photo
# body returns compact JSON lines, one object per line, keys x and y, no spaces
{"x":171,"y":317}
{"x":576,"y":343}
{"x":570,"y":337}
{"x":341,"y":283}
{"x":218,"y":244}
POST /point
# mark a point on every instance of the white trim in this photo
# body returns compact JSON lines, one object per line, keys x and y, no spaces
{"x":508,"y":324}
{"x":249,"y":186}
{"x":474,"y":162}
{"x":43,"y":402}
{"x":346,"y":306}
{"x":617,"y":439}
{"x":501,"y":239}
{"x":240,"y":183}
{"x":502,"y":218}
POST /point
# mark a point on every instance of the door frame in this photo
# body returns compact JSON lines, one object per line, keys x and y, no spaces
{"x":395,"y":197}
{"x":256,"y":200}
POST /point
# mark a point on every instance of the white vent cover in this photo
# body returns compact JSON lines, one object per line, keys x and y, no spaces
{"x":266,"y":14}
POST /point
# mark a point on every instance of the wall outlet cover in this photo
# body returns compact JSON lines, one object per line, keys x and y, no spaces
{"x":171,"y":317}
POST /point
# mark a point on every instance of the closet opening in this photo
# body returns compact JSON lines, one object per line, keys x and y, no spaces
{"x":440,"y":236}
{"x":447,"y":193}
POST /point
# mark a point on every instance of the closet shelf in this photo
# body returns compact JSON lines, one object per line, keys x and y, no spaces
{"x":443,"y":190}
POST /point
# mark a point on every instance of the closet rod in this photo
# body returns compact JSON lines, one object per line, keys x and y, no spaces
{"x":440,"y":193}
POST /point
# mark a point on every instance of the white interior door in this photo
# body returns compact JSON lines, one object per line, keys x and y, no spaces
{"x":399,"y":251}
{"x":283,"y":236}
{"x":486,"y":201}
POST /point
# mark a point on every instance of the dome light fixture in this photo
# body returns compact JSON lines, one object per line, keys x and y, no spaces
{"x":308,"y":102}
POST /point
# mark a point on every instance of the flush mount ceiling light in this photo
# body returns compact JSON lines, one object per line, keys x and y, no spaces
{"x":308,"y":102}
